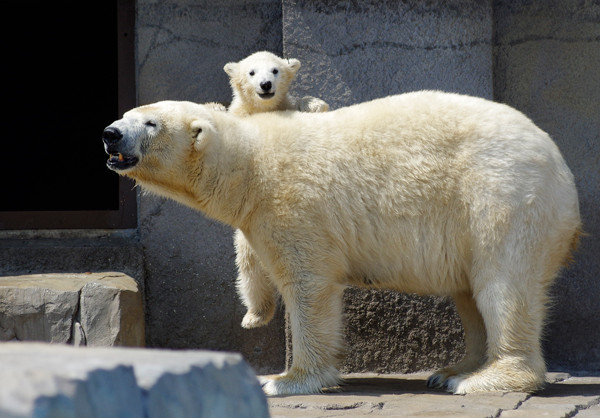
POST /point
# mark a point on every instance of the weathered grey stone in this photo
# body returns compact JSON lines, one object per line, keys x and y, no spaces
{"x":94,"y":308}
{"x":36,"y":308}
{"x":111,"y":313}
{"x":61,"y":381}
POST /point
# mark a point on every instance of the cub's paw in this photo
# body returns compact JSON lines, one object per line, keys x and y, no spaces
{"x":255,"y":319}
{"x":215,"y":106}
{"x":312,"y":105}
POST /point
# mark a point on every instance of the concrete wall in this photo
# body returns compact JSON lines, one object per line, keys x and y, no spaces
{"x":541,"y":57}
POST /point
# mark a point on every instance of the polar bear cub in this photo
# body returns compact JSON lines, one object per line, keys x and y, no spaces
{"x":260,"y":83}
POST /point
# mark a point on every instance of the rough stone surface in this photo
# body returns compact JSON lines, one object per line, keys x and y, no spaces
{"x":393,"y":332}
{"x":397,"y":395}
{"x":97,"y":309}
{"x":60,"y":381}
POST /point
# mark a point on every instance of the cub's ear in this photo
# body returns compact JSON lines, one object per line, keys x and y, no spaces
{"x":202,"y":132}
{"x":293,"y":64}
{"x":231,"y":68}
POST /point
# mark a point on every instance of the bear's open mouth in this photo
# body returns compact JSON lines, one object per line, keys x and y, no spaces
{"x":266,"y":95}
{"x":121,"y":162}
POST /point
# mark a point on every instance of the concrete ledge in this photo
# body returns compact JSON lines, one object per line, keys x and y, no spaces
{"x":59,"y":380}
{"x":97,"y":309}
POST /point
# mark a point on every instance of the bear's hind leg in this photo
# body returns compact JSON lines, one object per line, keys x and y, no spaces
{"x":253,"y":284}
{"x":513,"y":314}
{"x":315,"y":311}
{"x":475,"y":342}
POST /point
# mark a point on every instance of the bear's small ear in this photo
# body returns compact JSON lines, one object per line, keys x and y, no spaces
{"x":202,"y":132}
{"x":231,"y":68}
{"x":294,"y":64}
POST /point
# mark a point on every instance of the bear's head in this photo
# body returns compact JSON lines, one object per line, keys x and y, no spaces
{"x":157,"y":137}
{"x":262,"y":80}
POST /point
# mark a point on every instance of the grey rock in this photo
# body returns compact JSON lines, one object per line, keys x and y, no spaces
{"x":102,"y":309}
{"x":37,"y":311}
{"x":111,"y":313}
{"x":56,"y":380}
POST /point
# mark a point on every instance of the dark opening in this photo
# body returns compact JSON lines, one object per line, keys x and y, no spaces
{"x":61,"y":88}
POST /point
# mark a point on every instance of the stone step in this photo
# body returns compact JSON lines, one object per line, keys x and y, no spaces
{"x":60,"y":380}
{"x":96,"y":309}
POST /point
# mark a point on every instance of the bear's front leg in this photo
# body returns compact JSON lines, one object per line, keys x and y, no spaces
{"x":253,"y":284}
{"x":314,"y":305}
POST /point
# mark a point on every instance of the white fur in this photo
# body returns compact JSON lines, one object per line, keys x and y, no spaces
{"x":263,"y":68}
{"x":425,"y":192}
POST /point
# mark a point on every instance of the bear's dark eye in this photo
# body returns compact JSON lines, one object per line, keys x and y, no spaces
{"x":275,"y":70}
{"x":150,"y":123}
{"x":251,"y":73}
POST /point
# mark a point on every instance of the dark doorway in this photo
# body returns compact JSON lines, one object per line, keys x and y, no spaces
{"x":68,"y":73}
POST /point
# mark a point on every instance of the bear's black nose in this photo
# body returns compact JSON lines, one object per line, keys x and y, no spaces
{"x":266,"y":85}
{"x":111,"y":135}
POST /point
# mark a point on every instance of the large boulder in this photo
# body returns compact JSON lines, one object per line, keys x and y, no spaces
{"x":97,"y":309}
{"x":52,"y":380}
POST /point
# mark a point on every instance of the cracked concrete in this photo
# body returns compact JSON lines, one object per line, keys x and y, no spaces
{"x":407,"y":395}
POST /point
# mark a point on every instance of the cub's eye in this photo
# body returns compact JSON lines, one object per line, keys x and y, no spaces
{"x":150,"y":123}
{"x":275,"y":70}
{"x":251,"y":73}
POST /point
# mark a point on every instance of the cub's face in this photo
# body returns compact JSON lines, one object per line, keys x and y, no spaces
{"x":155,"y":136}
{"x":262,"y":76}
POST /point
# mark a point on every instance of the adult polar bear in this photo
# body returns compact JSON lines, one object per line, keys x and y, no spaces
{"x":424,"y":192}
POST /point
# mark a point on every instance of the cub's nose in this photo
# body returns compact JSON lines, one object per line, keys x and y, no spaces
{"x":266,"y":85}
{"x":111,"y":135}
